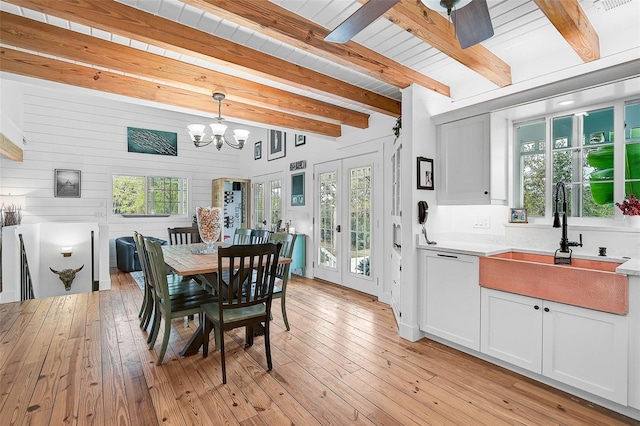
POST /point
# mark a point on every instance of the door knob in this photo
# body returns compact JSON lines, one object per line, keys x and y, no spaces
{"x":337,"y":228}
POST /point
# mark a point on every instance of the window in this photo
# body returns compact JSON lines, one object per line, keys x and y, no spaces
{"x":585,"y":154}
{"x":531,"y":149}
{"x":632,"y":149}
{"x":149,"y":195}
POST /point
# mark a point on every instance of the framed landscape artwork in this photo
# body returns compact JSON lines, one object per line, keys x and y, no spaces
{"x":67,"y":183}
{"x":277,"y":144}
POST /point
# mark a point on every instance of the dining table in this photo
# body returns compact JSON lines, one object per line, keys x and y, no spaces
{"x":189,"y":260}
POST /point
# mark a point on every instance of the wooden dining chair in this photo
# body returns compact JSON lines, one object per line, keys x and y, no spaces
{"x":184,"y":235}
{"x":242,"y":236}
{"x":282,"y":271}
{"x":260,"y":236}
{"x":177,"y":286}
{"x":241,"y":302}
{"x":169,"y":306}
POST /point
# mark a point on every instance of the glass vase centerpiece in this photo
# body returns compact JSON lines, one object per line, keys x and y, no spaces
{"x":209,"y":226}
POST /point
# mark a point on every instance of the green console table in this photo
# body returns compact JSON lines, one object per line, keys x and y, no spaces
{"x":298,"y":258}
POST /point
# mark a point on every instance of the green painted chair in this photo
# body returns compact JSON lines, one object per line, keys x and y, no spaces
{"x":168,"y":306}
{"x":176,"y":284}
{"x":243,"y":303}
{"x":282,"y":271}
{"x":242,"y":236}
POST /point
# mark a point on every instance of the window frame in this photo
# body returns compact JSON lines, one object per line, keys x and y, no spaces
{"x":619,"y":156}
{"x":185,"y":190}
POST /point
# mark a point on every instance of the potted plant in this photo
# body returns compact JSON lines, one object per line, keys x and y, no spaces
{"x":630,"y":208}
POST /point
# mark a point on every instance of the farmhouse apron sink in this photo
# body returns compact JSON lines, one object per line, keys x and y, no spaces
{"x":592,"y":284}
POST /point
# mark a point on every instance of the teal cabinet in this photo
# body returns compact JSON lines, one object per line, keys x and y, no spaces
{"x":298,"y":258}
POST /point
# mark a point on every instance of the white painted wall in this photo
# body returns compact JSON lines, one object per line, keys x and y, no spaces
{"x":70,"y":128}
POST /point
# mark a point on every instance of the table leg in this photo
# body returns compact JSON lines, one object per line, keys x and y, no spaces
{"x":195,"y":342}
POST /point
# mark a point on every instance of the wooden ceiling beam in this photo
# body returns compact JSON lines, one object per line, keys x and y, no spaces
{"x":46,"y":68}
{"x":44,"y":38}
{"x":10,"y":149}
{"x":129,"y":22}
{"x":570,"y":20}
{"x":281,"y":24}
{"x":435,"y":29}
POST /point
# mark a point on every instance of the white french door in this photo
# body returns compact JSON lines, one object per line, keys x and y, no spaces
{"x":267,"y":200}
{"x":344,"y":221}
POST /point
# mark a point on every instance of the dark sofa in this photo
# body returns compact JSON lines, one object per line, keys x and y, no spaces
{"x":127,"y":255}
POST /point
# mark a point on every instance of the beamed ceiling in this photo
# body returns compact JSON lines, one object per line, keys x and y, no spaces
{"x":271,"y":61}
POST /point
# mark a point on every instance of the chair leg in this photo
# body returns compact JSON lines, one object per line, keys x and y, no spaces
{"x":165,"y":340}
{"x":148,"y":309}
{"x":206,"y":329}
{"x":267,"y":345}
{"x":222,"y":358}
{"x":155,"y":326}
{"x":284,"y":312}
{"x":144,"y":303}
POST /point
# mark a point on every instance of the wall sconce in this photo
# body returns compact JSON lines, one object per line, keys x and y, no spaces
{"x":66,"y":251}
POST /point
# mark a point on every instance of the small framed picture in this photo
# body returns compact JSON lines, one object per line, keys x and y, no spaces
{"x":518,"y":216}
{"x":425,"y":173}
{"x":67,"y":183}
{"x":301,"y":140}
{"x":257,"y":150}
{"x":277,"y":142}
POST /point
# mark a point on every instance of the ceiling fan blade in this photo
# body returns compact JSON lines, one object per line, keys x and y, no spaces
{"x":472,"y":23}
{"x":360,"y":19}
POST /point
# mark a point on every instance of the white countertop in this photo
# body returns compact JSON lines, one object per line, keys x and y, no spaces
{"x":628,"y":267}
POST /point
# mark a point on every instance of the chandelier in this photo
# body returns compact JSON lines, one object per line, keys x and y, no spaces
{"x":196,"y":131}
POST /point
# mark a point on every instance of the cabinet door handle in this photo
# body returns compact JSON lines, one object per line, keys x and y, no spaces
{"x":447,"y":255}
{"x":546,"y":309}
{"x":536,"y":307}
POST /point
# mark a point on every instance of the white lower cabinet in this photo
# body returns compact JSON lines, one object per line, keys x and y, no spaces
{"x":450,"y":297}
{"x":580,"y":347}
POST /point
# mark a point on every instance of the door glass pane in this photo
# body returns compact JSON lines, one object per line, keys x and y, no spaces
{"x":258,"y":203}
{"x":360,"y":220}
{"x":276,"y":198}
{"x":327,"y":219}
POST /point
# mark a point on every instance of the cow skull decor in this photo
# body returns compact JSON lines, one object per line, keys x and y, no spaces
{"x":67,"y":276}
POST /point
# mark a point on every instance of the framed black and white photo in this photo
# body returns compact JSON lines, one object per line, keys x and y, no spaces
{"x":67,"y":183}
{"x":257,"y":150}
{"x":518,"y":216}
{"x":301,"y":140}
{"x":425,"y":173}
{"x":277,"y":142}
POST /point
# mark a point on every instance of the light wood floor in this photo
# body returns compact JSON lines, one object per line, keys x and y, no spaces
{"x":82,"y":359}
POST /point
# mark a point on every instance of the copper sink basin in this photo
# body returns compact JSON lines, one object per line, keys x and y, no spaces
{"x":587,"y":283}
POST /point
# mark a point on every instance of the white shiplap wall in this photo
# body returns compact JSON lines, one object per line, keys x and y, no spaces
{"x":67,"y":129}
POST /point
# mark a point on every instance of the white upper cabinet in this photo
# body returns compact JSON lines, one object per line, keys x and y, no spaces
{"x":471,"y":165}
